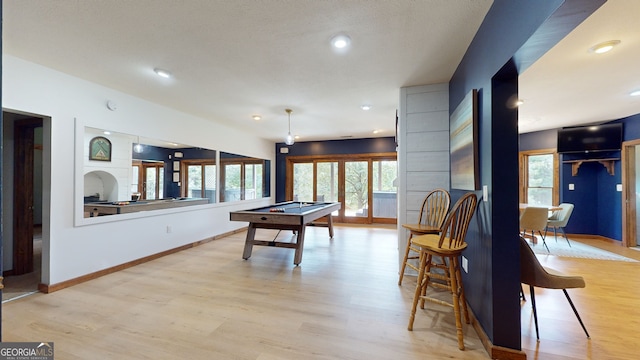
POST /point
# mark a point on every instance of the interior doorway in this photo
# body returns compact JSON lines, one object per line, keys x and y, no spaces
{"x":26,"y":227}
{"x":630,"y":193}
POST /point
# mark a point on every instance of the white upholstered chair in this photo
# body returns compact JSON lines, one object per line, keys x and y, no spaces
{"x":534,"y":219}
{"x":559,"y":220}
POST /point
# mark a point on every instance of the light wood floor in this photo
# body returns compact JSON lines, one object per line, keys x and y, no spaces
{"x":608,"y":306}
{"x":342,"y":302}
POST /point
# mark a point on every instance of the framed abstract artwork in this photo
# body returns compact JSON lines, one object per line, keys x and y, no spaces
{"x":463,"y":144}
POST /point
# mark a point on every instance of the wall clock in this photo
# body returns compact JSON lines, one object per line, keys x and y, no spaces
{"x":100,"y":149}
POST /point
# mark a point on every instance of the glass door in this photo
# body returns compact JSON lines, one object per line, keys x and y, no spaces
{"x":153,"y":178}
{"x":364,"y":185}
{"x":303,"y":181}
{"x":356,"y":190}
{"x":385,"y":190}
{"x":327,"y":188}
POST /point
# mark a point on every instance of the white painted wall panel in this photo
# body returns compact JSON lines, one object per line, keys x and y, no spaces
{"x":423,"y":151}
{"x":428,"y":161}
{"x":427,"y":141}
{"x":71,"y":251}
{"x":427,"y":180}
{"x":427,"y":102}
{"x":423,"y":122}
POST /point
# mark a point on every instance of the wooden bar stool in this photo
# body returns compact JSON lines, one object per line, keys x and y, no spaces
{"x":433,"y":211}
{"x":449,"y":245}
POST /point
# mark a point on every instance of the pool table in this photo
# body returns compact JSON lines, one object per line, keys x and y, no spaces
{"x":292,"y":215}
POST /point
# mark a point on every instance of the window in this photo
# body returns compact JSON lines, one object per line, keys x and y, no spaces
{"x":539,"y":177}
{"x":242,"y":179}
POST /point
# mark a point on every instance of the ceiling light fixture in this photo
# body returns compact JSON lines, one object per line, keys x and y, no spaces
{"x":340,"y":41}
{"x":162,"y":73}
{"x":289,"y":140}
{"x":519,"y":102}
{"x":365,"y":107}
{"x":138,"y":147}
{"x":604,"y":47}
{"x":257,"y":117}
{"x":635,"y":93}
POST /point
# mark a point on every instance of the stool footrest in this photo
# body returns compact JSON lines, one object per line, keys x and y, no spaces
{"x":437,"y":301}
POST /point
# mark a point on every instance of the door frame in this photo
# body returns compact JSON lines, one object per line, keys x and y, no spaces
{"x":629,"y":226}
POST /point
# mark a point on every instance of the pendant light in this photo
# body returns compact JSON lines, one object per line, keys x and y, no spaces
{"x":138,"y":147}
{"x":289,"y":140}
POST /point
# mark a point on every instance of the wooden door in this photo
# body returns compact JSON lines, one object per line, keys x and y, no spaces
{"x":23,"y":195}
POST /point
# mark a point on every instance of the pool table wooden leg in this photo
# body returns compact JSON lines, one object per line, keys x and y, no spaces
{"x":248,"y":243}
{"x":297,"y":259}
{"x":330,"y":225}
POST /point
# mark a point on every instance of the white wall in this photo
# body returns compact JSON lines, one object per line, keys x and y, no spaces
{"x":74,"y":248}
{"x":423,"y":151}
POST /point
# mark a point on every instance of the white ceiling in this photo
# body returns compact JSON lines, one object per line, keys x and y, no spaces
{"x":233,"y":59}
{"x":571,"y":86}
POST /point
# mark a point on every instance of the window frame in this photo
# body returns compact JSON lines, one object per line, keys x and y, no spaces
{"x":523,"y":161}
{"x":184,"y":167}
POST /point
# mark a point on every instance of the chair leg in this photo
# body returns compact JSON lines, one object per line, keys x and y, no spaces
{"x":426,"y":278}
{"x":463,"y":297}
{"x":416,"y":296}
{"x":544,"y":242}
{"x":535,"y":313}
{"x":522,"y":297}
{"x":576,"y":312}
{"x":406,"y":258}
{"x":455,"y":294}
{"x":565,"y":236}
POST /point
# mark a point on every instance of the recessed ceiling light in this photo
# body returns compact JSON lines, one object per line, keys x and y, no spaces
{"x":257,"y":117}
{"x":106,"y":132}
{"x":376,"y":131}
{"x":365,"y":107}
{"x":635,"y":93}
{"x":604,"y":47}
{"x":163,"y":73}
{"x":340,"y":42}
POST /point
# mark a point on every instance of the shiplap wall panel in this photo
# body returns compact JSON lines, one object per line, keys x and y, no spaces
{"x":414,"y":200}
{"x":426,"y":122}
{"x":428,"y":141}
{"x":423,"y":150}
{"x":427,"y":180}
{"x":428,"y":161}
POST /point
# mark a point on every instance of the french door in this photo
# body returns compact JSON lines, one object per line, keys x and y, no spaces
{"x":148,"y":178}
{"x":364,"y":185}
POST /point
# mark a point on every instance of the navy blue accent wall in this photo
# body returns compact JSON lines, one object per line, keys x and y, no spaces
{"x":546,"y":139}
{"x":631,"y":126}
{"x":513,"y":35}
{"x":333,"y":147}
